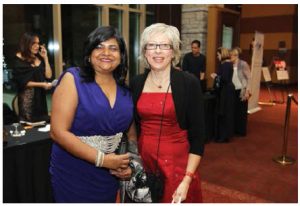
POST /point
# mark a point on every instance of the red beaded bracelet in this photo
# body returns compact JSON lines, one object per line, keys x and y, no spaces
{"x":190,"y":174}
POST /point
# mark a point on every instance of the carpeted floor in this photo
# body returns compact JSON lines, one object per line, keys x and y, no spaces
{"x":243,"y":170}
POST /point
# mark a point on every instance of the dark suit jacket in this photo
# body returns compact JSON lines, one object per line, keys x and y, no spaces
{"x":188,"y":101}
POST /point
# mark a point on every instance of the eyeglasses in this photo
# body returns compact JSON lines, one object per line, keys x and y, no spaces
{"x":111,"y":48}
{"x":160,"y":46}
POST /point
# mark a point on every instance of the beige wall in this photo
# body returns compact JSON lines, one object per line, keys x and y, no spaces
{"x":253,"y":11}
{"x":278,"y":23}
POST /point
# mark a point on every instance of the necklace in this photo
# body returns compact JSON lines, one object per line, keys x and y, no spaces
{"x":159,"y":86}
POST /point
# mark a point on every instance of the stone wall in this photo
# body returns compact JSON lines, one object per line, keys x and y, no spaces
{"x":194,"y":26}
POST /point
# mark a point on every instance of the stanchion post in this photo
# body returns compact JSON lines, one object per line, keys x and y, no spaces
{"x":286,"y":125}
{"x":293,"y":98}
{"x":284,"y":160}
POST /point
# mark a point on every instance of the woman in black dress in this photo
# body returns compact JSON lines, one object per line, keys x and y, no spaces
{"x":31,"y":68}
{"x":225,"y":97}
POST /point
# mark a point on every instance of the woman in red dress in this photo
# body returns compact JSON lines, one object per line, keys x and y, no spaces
{"x":169,"y":115}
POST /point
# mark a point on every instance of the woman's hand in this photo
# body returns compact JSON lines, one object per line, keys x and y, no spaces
{"x":47,"y":85}
{"x":181,"y":191}
{"x":122,"y":173}
{"x":246,"y":96}
{"x":113,"y":161}
{"x":43,"y":52}
{"x":213,"y":75}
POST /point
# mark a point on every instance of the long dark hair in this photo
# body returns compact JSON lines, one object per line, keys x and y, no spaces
{"x":25,"y":44}
{"x":97,"y":36}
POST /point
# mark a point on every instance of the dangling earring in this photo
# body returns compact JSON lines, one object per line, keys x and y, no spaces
{"x":89,"y":59}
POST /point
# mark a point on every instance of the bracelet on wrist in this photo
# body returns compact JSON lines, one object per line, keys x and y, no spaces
{"x":102,"y":159}
{"x":190,"y":174}
{"x":99,"y":159}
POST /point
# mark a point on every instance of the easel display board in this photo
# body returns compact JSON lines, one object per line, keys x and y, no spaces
{"x":282,"y":74}
{"x":266,"y":74}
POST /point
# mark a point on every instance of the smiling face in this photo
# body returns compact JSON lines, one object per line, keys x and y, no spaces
{"x":159,"y":59}
{"x":106,"y":57}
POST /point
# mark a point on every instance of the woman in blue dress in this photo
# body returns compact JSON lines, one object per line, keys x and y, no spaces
{"x":91,"y":108}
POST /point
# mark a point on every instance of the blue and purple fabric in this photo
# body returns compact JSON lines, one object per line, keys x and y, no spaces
{"x":73,"y":179}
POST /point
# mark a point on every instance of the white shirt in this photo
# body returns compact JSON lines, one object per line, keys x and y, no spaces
{"x":235,"y":79}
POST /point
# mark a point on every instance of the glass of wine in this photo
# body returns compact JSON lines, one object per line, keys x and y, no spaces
{"x":16,"y":132}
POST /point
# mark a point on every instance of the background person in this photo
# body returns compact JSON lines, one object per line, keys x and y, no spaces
{"x":225,"y":97}
{"x":195,"y":63}
{"x":160,"y":90}
{"x":91,"y":107}
{"x":241,"y":79}
{"x":31,"y":69}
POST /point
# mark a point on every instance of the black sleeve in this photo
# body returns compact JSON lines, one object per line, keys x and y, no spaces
{"x":133,"y":88}
{"x":226,"y":75}
{"x":131,"y":83}
{"x":195,"y":116}
{"x":184,"y":65}
{"x":204,"y":63}
{"x":22,"y":73}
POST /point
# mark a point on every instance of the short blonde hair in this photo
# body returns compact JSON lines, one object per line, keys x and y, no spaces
{"x":236,"y":51}
{"x":170,"y":32}
{"x":224,"y":53}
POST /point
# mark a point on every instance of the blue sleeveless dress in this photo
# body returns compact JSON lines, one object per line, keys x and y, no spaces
{"x":73,"y":179}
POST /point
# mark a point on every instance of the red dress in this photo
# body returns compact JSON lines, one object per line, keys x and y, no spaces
{"x":174,"y":145}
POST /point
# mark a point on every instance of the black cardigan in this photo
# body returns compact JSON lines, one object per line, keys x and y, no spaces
{"x":188,"y":101}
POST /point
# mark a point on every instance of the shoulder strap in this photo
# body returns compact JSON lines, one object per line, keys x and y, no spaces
{"x":160,"y":129}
